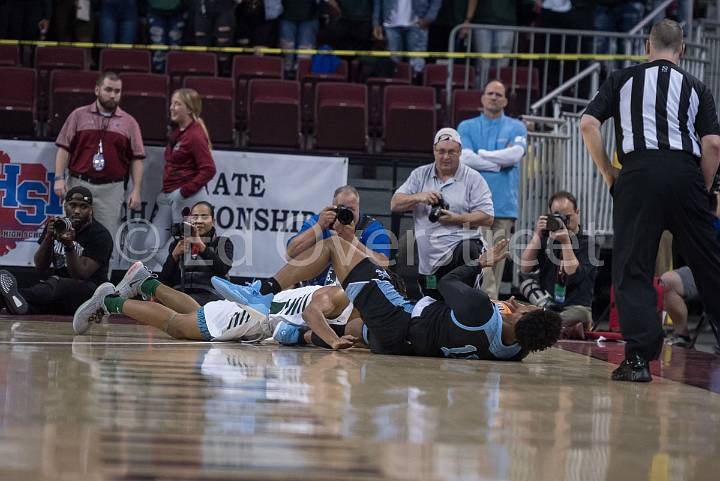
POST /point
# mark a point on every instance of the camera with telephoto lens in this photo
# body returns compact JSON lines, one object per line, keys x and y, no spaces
{"x":62,"y":225}
{"x":177,"y":230}
{"x":344,"y":215}
{"x":435,"y":209}
{"x":555,"y":222}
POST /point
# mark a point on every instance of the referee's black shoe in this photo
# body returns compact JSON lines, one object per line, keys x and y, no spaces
{"x":634,"y":369}
{"x":14,"y":302}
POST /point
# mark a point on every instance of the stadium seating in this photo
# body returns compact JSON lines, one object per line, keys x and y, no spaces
{"x":274,"y":113}
{"x":435,"y":76}
{"x":218,"y":107}
{"x":246,"y":67}
{"x":524,"y":81}
{"x":341,"y":116}
{"x":183,"y":64}
{"x":9,"y":55}
{"x":466,"y":104}
{"x":17,"y":101}
{"x":124,"y":60}
{"x":409,"y":119}
{"x":308,"y":80}
{"x":145,"y":97}
{"x":48,"y":59}
{"x":376,"y":89}
{"x":69,"y":89}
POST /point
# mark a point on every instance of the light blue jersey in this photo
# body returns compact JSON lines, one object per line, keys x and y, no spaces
{"x":497,"y":134}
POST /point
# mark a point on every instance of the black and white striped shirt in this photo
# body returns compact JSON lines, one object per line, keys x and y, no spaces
{"x":656,"y":106}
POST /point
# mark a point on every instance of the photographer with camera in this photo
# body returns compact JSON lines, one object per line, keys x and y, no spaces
{"x":343,"y":219}
{"x":78,"y":248}
{"x":556,"y":265}
{"x":449,"y":201}
{"x":197,"y":254}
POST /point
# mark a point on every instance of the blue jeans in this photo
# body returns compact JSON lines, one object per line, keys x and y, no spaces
{"x":165,"y":30}
{"x":118,"y":21}
{"x":297,"y":35}
{"x":495,"y":41}
{"x":619,"y":18}
{"x":408,"y":39}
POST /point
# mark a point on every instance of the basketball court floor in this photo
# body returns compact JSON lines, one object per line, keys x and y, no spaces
{"x":126,"y":402}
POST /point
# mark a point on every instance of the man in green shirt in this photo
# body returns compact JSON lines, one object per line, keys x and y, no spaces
{"x":350,"y":28}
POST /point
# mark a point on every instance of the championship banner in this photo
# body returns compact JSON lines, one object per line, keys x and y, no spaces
{"x":260,"y":199}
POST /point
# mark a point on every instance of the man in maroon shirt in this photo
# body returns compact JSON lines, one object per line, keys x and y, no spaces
{"x":99,"y":144}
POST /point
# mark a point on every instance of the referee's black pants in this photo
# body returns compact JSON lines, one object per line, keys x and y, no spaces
{"x":659,"y":190}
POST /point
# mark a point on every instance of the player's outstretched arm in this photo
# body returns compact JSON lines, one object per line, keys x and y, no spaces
{"x":327,"y":301}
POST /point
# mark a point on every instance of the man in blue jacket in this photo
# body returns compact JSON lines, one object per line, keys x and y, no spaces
{"x":406,"y":25}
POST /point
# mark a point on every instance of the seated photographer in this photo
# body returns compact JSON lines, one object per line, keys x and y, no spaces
{"x":449,"y":201}
{"x":197,"y":254}
{"x":77,"y":249}
{"x":556,"y":266}
{"x":343,"y":219}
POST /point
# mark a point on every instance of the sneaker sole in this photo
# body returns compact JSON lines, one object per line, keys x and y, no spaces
{"x":15,"y":303}
{"x":81,"y":321}
{"x":125,"y":281}
{"x":227,"y":292}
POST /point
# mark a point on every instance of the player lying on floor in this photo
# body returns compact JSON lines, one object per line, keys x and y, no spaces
{"x":180,"y":316}
{"x":467,"y":324}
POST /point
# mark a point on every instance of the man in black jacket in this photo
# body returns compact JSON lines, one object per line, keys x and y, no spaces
{"x":558,"y":263}
{"x":198,"y":256}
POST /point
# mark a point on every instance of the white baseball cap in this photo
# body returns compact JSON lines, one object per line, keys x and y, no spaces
{"x":447,"y":134}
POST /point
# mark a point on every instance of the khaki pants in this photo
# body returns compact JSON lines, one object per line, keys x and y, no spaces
{"x":107,"y":202}
{"x":492,"y":276}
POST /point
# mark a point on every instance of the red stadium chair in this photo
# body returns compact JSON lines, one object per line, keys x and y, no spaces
{"x":341,"y":116}
{"x":183,"y":64}
{"x":274,"y":113}
{"x":69,"y":89}
{"x":466,"y":105}
{"x":145,"y":97}
{"x":409,"y":122}
{"x":124,"y":60}
{"x":9,"y":55}
{"x":376,"y":89}
{"x":48,"y":59}
{"x":17,"y":101}
{"x":245,"y":68}
{"x":218,"y":108}
{"x":308,"y":80}
{"x":435,"y":76}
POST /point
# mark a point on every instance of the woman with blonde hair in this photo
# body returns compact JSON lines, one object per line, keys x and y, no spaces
{"x":189,"y":165}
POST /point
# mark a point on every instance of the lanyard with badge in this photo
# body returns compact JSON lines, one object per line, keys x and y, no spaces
{"x":98,"y":161}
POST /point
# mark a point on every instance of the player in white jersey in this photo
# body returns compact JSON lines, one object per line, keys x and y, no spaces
{"x":180,"y":316}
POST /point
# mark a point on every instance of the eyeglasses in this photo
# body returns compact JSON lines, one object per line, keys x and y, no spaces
{"x":448,"y":153}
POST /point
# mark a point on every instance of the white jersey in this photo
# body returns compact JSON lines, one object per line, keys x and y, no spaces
{"x":289,"y":305}
{"x":227,"y":321}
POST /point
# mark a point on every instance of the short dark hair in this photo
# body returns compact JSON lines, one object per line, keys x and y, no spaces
{"x":206,"y":204}
{"x":667,"y":35}
{"x":106,"y":75}
{"x":563,"y":194}
{"x":538,"y":330}
{"x":497,"y":80}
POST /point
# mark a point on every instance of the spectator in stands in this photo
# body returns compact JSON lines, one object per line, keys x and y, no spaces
{"x":73,"y":20}
{"x":405,"y":23}
{"x":494,"y":144}
{"x":78,"y":254}
{"x":350,"y":27}
{"x":450,"y":202}
{"x":495,"y":41}
{"x":189,"y":164}
{"x":197,"y":256}
{"x":298,"y":29}
{"x":215,"y":26}
{"x":257,"y":22}
{"x":367,"y":233}
{"x":166,"y":24}
{"x":556,"y":265}
{"x":118,"y":21}
{"x":678,"y":289}
{"x":452,"y":13}
{"x":616,"y":16}
{"x":24,"y":19}
{"x":99,"y":144}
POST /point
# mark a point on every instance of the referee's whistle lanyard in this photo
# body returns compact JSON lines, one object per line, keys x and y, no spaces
{"x":98,"y":161}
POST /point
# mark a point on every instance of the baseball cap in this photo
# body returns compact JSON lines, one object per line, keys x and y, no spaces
{"x":447,"y":134}
{"x":79,"y":193}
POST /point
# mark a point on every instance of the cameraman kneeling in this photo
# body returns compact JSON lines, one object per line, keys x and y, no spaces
{"x":197,"y":254}
{"x":556,"y":265}
{"x":78,"y":248}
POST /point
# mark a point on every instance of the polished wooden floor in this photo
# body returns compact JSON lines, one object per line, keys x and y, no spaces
{"x":127,"y":403}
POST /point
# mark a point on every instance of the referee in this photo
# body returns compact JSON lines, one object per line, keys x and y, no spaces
{"x":668,"y":141}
